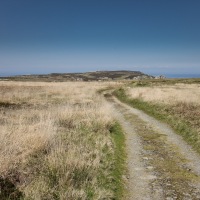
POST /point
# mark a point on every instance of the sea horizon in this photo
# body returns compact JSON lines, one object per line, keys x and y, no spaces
{"x":182,"y":75}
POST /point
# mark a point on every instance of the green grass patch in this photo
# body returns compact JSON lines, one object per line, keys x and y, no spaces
{"x":119,"y":160}
{"x":161,"y":112}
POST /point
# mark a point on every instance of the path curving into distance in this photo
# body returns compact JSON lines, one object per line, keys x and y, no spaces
{"x":160,"y":164}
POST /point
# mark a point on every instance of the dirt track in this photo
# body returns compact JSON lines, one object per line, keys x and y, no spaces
{"x":160,"y":164}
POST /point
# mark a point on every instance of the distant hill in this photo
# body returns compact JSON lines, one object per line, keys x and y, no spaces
{"x":87,"y":76}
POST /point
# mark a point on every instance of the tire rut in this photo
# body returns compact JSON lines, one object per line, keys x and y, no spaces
{"x":160,"y":164}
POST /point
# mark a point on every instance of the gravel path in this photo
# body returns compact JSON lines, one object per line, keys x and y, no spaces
{"x":139,"y":177}
{"x":145,"y":179}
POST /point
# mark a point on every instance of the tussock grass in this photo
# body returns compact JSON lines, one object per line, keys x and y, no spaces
{"x":180,"y":100}
{"x":168,"y":94}
{"x":57,"y":144}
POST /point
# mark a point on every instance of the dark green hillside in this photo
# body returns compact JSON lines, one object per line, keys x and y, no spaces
{"x":87,"y":76}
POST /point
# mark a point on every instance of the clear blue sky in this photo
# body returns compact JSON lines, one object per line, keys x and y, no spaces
{"x":153,"y":36}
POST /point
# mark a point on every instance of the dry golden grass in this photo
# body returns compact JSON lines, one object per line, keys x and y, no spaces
{"x":55,"y":141}
{"x":169,"y":94}
{"x":181,"y":100}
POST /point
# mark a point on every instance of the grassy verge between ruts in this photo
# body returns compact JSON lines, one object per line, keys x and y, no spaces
{"x":119,"y":159}
{"x":163,"y":113}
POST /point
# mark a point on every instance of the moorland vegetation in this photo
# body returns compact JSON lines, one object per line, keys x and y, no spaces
{"x":174,"y":101}
{"x":58,"y":141}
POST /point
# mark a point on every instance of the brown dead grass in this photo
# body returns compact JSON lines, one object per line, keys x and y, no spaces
{"x":180,"y":100}
{"x":55,"y":140}
{"x":168,"y":94}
